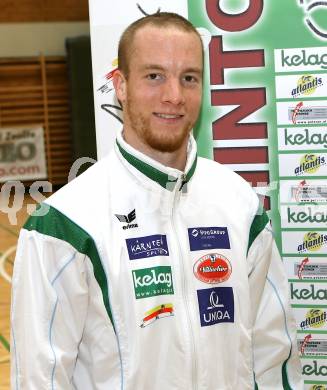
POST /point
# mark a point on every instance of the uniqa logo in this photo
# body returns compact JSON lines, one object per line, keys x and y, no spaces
{"x":315,"y":318}
{"x":305,"y":137}
{"x":212,"y":268}
{"x":302,"y":58}
{"x":215,"y":315}
{"x":305,"y":294}
{"x":309,"y":369}
{"x":306,"y":85}
{"x":312,"y":241}
{"x":310,"y":163}
{"x":309,"y":216}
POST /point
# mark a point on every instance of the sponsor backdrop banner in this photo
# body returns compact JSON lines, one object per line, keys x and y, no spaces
{"x":264,"y":115}
{"x":22,"y":155}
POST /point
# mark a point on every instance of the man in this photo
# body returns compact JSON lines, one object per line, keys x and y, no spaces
{"x":153,"y":270}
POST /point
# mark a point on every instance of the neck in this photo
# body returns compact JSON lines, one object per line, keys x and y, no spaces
{"x":176,"y":159}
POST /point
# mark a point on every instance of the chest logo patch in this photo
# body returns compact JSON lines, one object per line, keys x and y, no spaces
{"x":158,"y":312}
{"x":216,"y":305}
{"x":149,"y":246}
{"x":149,"y":282}
{"x":201,"y":238}
{"x":212,"y":268}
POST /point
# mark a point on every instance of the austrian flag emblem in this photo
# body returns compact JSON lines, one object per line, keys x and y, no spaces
{"x":212,"y":268}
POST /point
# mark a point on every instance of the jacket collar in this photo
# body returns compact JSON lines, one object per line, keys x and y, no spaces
{"x":166,"y":177}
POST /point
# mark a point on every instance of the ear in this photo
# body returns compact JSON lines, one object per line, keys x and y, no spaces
{"x":119,"y":82}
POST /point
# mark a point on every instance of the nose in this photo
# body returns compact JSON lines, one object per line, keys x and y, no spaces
{"x":173,"y":92}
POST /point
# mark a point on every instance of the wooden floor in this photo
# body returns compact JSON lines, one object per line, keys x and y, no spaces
{"x":8,"y":239}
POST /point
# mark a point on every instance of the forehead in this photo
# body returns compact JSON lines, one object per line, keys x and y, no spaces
{"x":166,"y":45}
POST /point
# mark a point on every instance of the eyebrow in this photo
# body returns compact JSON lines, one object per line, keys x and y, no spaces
{"x":159,"y":67}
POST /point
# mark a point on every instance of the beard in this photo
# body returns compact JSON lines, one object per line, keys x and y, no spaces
{"x":162,"y":141}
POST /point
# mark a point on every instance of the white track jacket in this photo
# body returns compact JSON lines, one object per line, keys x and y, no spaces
{"x":136,"y":276}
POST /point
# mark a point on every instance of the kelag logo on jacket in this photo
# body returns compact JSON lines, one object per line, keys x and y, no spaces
{"x":208,"y":238}
{"x":149,"y":282}
{"x":216,"y":305}
{"x":149,"y":246}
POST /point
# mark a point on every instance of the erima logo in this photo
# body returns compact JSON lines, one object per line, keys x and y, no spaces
{"x":128,"y":219}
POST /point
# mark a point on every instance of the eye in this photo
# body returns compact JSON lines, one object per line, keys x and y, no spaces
{"x":154,"y":76}
{"x":190,"y":79}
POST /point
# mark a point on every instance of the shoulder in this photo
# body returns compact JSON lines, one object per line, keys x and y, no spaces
{"x":221,"y":178}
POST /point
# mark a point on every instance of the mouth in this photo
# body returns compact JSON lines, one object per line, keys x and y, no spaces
{"x":168,"y":116}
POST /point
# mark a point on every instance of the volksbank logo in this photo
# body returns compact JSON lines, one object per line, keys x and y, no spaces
{"x":314,"y":368}
{"x":303,"y":58}
{"x":149,"y":282}
{"x":208,"y":238}
{"x":309,"y":137}
{"x":311,"y":214}
{"x":311,"y":292}
{"x":306,"y":85}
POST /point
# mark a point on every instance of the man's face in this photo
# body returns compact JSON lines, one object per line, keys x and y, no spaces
{"x":162,"y":94}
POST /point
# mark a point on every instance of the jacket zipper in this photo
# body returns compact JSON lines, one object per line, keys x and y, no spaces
{"x":177,"y":193}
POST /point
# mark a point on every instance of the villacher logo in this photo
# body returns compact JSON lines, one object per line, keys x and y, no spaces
{"x":128,"y":219}
{"x":213,"y":268}
{"x":309,"y":164}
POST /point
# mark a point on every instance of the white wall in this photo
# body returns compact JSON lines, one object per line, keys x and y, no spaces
{"x":31,"y":39}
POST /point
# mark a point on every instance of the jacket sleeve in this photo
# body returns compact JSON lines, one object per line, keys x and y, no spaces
{"x":48,"y":311}
{"x":276,"y":358}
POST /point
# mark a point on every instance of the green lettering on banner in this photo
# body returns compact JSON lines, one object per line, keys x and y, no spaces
{"x":149,"y":282}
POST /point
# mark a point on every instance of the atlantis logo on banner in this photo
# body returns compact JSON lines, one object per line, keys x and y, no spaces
{"x":318,"y":387}
{"x":311,"y":214}
{"x":216,"y":305}
{"x":306,"y":85}
{"x":149,"y":282}
{"x":309,"y":164}
{"x":149,"y":246}
{"x":315,"y":368}
{"x":315,"y":319}
{"x":312,"y":242}
{"x":208,"y":238}
{"x":310,"y":292}
{"x":310,"y":270}
{"x":307,"y":137}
